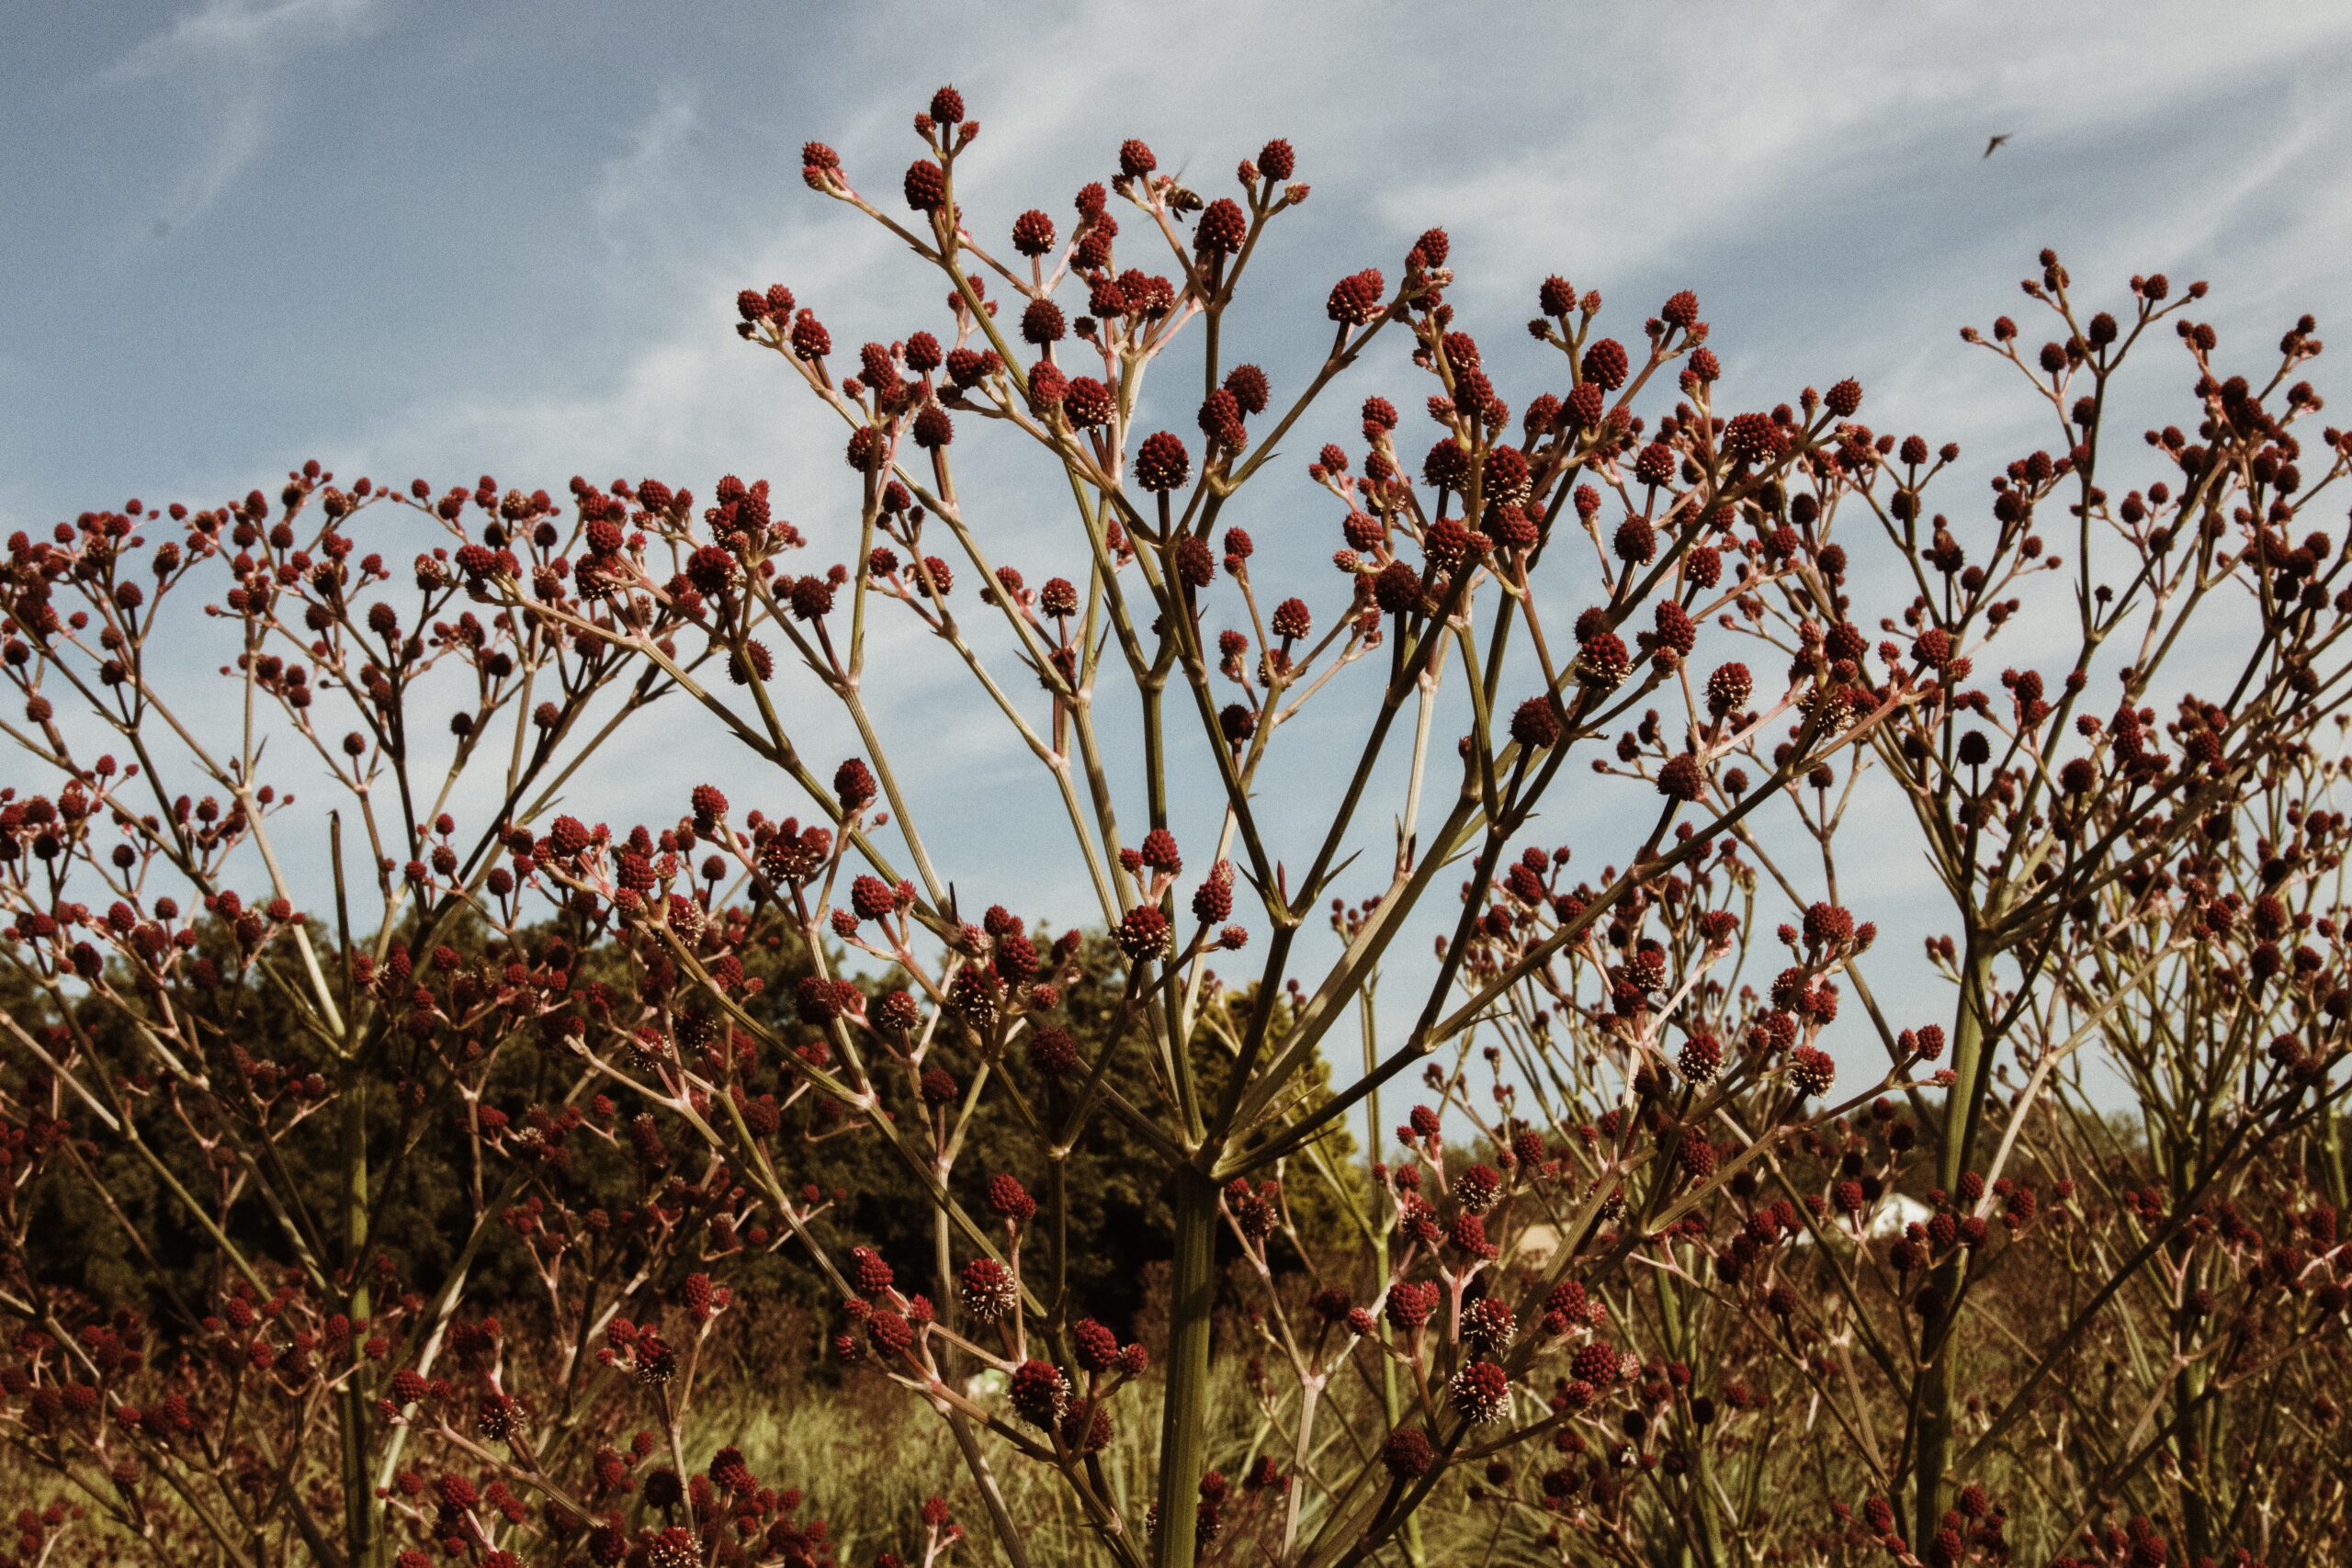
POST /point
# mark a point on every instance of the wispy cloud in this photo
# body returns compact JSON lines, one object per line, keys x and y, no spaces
{"x":230,"y":55}
{"x":636,"y":177}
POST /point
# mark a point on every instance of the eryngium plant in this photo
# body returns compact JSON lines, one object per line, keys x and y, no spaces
{"x":1636,"y":1279}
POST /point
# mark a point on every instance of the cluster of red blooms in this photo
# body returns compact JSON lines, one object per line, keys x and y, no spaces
{"x":1590,"y":1312}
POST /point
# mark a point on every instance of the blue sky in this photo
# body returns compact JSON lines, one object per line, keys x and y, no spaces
{"x":443,"y":240}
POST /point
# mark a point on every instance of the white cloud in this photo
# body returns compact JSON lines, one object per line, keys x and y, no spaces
{"x":229,"y":54}
{"x":637,"y":178}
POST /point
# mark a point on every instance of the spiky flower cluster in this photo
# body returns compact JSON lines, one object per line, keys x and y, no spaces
{"x":1657,"y":1209}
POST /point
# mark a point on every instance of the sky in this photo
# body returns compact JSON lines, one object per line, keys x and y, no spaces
{"x":449,"y":240}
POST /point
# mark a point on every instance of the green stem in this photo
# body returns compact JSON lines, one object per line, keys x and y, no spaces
{"x":1183,"y":1433}
{"x":363,"y":1546}
{"x":1932,"y":1486}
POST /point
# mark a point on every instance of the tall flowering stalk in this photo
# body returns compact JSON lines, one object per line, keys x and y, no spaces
{"x":1632,"y":1223}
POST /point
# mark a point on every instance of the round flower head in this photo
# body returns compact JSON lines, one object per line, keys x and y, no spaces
{"x":1700,"y":1058}
{"x":1487,"y":1326}
{"x":1161,"y":462}
{"x":1143,"y":933}
{"x":854,"y":781}
{"x":1250,"y":388}
{"x":1682,"y":779}
{"x":1481,"y":1390}
{"x":1159,"y":853}
{"x":1054,"y":1052}
{"x":1033,"y":233}
{"x":1828,"y":925}
{"x":1584,"y":406}
{"x":1410,"y":1304}
{"x":1509,"y":526}
{"x":986,"y":1291}
{"x":1728,"y":689}
{"x":1010,"y":1199}
{"x":1751,"y":439}
{"x":1506,"y":476}
{"x":1397,"y":589}
{"x":925,"y":184}
{"x":1087,"y":402}
{"x":872,"y":898}
{"x":1605,"y":365}
{"x":1406,"y":1453}
{"x":1636,"y":540}
{"x":1220,"y":420}
{"x":1356,"y":298}
{"x":933,"y":429}
{"x":1042,"y":322}
{"x":1595,"y":1363}
{"x":868,"y":1273}
{"x":1039,"y":1392}
{"x":868,"y":450}
{"x":1097,"y":1347}
{"x":891,"y":1333}
{"x":1602,"y":663}
{"x":1222,"y":228}
{"x":1136,"y":159}
{"x":1811,"y":1071}
{"x":1535,"y":725}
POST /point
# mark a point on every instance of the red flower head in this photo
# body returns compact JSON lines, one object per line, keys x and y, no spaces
{"x":1595,"y":1363}
{"x":1087,"y":402}
{"x":1700,"y":1058}
{"x":1356,"y":298}
{"x":853,"y":785}
{"x":1477,"y":1188}
{"x":987,"y":1292}
{"x":1011,"y":1199}
{"x":1682,"y":779}
{"x":1033,"y":233}
{"x":1161,"y":462}
{"x":1097,"y":1347}
{"x":1040,"y":1393}
{"x":1535,"y":725}
{"x":1222,"y":228}
{"x":1143,"y":933}
{"x":1042,"y":322}
{"x":1728,"y":689}
{"x":1811,"y":1071}
{"x":925,"y":184}
{"x":1487,"y":1326}
{"x":1481,"y":1390}
{"x":1605,"y":365}
{"x":1406,"y":1453}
